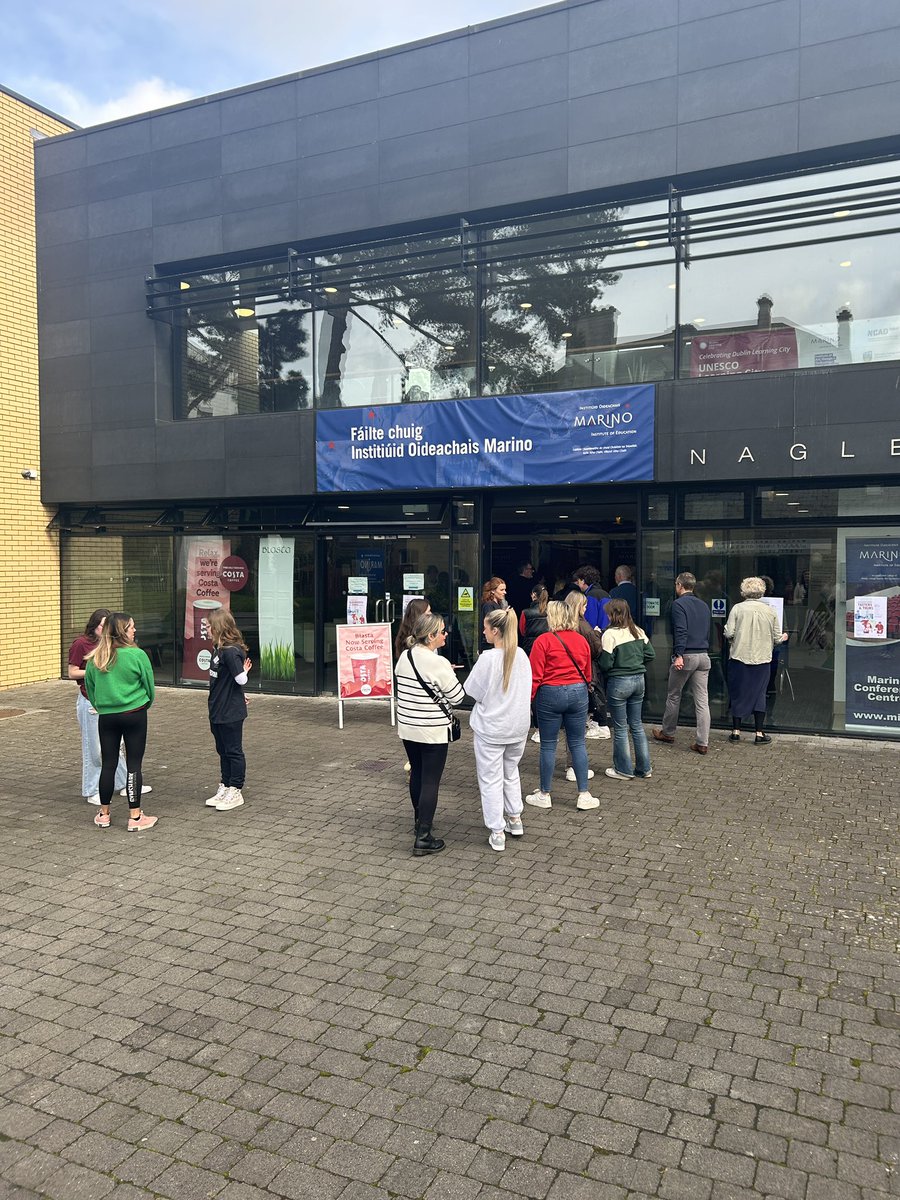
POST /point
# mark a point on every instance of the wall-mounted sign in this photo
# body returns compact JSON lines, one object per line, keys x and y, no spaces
{"x":465,"y":599}
{"x":234,"y":573}
{"x":358,"y":585}
{"x":591,"y":436}
{"x":413,"y":581}
{"x":718,"y":605}
{"x":651,"y":606}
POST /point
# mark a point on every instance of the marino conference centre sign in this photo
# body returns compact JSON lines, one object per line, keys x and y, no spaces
{"x":593,"y":436}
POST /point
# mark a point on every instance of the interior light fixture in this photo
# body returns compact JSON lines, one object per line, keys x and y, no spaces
{"x":782,"y":493}
{"x":846,"y":263}
{"x":708,"y":543}
{"x":671,"y":286}
{"x":525,"y":305}
{"x":563,"y":516}
{"x":841,"y":212}
{"x":699,"y":321}
{"x":793,"y":503}
{"x":331,"y":291}
{"x":449,"y":346}
{"x":344,"y":507}
{"x":241,"y":310}
{"x":565,"y":335}
{"x":184,"y":286}
{"x":800,"y":510}
{"x":521,"y":511}
{"x":642,"y":243}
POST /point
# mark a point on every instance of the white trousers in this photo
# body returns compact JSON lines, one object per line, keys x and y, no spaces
{"x":497,"y":766}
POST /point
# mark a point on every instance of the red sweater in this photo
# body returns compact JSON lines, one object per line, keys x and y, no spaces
{"x":552,"y":666}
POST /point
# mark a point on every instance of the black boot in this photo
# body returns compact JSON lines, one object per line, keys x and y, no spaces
{"x":425,"y":843}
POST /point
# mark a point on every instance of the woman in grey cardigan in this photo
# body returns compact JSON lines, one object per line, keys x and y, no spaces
{"x":752,"y":630}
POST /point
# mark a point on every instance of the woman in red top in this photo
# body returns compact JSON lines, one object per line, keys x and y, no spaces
{"x":560,"y":672}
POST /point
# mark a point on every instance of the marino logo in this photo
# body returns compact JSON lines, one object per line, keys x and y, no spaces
{"x":606,"y":420}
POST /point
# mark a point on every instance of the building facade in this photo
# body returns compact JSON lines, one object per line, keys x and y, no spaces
{"x":29,"y":552}
{"x":608,"y":281}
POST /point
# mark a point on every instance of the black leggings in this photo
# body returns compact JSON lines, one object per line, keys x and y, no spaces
{"x":426,"y":766}
{"x":114,"y":728}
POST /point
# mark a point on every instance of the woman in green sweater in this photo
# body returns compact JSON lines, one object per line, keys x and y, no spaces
{"x":119,"y":683}
{"x":626,"y":650}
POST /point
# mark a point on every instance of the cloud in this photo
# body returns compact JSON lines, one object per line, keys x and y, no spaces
{"x":141,"y":96}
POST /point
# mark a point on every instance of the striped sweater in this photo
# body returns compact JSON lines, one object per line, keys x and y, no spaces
{"x":419,"y":718}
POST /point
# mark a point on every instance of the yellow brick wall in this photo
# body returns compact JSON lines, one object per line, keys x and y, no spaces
{"x":29,"y":555}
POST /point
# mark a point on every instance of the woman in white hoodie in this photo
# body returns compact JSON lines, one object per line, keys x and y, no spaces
{"x":500,"y":685}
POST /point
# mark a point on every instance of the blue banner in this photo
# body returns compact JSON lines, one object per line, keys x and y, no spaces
{"x":601,"y":435}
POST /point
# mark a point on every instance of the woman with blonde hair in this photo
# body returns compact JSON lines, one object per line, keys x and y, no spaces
{"x":560,"y":673}
{"x":426,"y":690}
{"x":500,"y":685}
{"x":752,"y":632}
{"x":626,"y":650}
{"x":228,"y":671}
{"x":119,"y":683}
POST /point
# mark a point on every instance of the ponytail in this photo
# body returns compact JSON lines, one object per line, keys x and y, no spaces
{"x":504,"y":621}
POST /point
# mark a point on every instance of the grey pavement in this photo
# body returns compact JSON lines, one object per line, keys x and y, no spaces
{"x":691,"y":994}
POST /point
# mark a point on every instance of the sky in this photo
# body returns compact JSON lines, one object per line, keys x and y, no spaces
{"x":94,"y":62}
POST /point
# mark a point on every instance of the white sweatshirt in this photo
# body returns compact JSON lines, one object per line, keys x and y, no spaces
{"x":500,"y":717}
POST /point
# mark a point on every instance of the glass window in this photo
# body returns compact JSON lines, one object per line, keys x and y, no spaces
{"x":714,"y":506}
{"x":659,"y":507}
{"x":791,"y":503}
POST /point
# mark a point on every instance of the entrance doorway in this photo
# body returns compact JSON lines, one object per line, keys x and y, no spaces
{"x":559,"y":531}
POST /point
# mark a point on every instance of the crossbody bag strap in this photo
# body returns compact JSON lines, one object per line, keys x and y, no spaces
{"x":569,"y":652}
{"x":441,"y":701}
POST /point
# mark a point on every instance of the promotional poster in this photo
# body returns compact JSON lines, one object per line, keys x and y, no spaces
{"x":276,"y":607}
{"x":873,"y":635}
{"x":205,"y":592}
{"x":364,"y":662}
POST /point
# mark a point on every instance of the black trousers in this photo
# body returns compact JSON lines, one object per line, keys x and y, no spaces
{"x":229,"y":744}
{"x":114,"y":728}
{"x":426,"y":766}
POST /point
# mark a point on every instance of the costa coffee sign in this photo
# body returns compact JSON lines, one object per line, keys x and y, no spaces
{"x":234,"y":573}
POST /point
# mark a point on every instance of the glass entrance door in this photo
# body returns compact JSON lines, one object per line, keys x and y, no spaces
{"x":376,"y":573}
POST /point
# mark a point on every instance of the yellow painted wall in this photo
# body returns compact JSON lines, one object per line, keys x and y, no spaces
{"x":29,"y":555}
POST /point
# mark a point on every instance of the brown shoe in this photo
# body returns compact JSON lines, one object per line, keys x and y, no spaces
{"x":700,"y":749}
{"x":659,"y":736}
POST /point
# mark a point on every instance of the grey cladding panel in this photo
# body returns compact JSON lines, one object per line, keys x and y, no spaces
{"x":342,"y":169}
{"x":337,"y":88}
{"x":252,"y":148}
{"x":739,"y":87}
{"x":621,"y":160}
{"x":622,"y":63}
{"x":845,"y":116}
{"x":65,"y":190}
{"x":121,"y":215}
{"x":424,"y":153}
{"x":62,"y":225}
{"x":427,"y":108}
{"x":183,"y":201}
{"x":336,"y":212}
{"x":832,"y":20}
{"x":747,"y":33}
{"x":766,"y":133}
{"x":191,"y":124}
{"x":519,"y":41}
{"x":54,"y":155}
{"x":119,"y":141}
{"x":855,"y":63}
{"x":121,"y":252}
{"x":442,"y":193}
{"x":591,"y":24}
{"x":258,"y":107}
{"x":423,"y":66}
{"x":260,"y":226}
{"x":65,"y":339}
{"x":180,"y":164}
{"x":121,"y":177}
{"x":624,"y":111}
{"x":337,"y":129}
{"x":276,"y":184}
{"x":534,"y":175}
{"x":503,"y":91}
{"x":513,"y":135}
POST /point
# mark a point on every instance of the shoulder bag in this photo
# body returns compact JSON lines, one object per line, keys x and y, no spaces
{"x":441,"y":701}
{"x":596,"y":701}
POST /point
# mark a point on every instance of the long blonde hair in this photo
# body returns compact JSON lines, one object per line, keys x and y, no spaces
{"x":504,"y":621}
{"x":112,"y":637}
{"x":576,"y":603}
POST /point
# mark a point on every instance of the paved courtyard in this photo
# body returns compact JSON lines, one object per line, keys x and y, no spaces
{"x":693,"y":996}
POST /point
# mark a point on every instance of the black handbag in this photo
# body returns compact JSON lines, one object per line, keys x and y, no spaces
{"x":596,"y":699}
{"x":441,"y":701}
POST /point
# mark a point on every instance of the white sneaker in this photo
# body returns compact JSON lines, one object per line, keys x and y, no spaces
{"x":586,"y":800}
{"x":536,"y":737}
{"x":497,"y":841}
{"x":231,"y":799}
{"x":614,"y":774}
{"x":595,"y":731}
{"x":220,"y":795}
{"x":146,"y":789}
{"x":95,"y":799}
{"x":514,"y":826}
{"x":570,"y":775}
{"x":539,"y":799}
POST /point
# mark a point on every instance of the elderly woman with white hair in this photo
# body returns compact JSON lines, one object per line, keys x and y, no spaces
{"x":753,"y":633}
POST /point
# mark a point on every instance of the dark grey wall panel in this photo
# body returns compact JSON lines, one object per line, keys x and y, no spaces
{"x":739,"y":86}
{"x":424,"y":153}
{"x":252,"y":148}
{"x":180,"y":164}
{"x":277,"y":184}
{"x":120,"y":215}
{"x":57,"y":226}
{"x":260,"y":226}
{"x":833,"y":20}
{"x":258,"y":107}
{"x":518,"y":41}
{"x":427,"y":108}
{"x":179,"y":240}
{"x":513,"y":135}
{"x":831,"y":120}
{"x":852,"y":63}
{"x":194,"y":124}
{"x":121,"y":252}
{"x":355,"y":83}
{"x":766,"y":134}
{"x":423,"y":65}
{"x":444,"y":192}
{"x":62,"y":190}
{"x":122,"y":293}
{"x":338,"y":129}
{"x":495,"y":92}
{"x":68,"y":303}
{"x":339,"y":169}
{"x":616,"y":159}
{"x":500,"y":183}
{"x":745,"y":33}
{"x":591,"y":24}
{"x":182,"y":202}
{"x":621,"y":63}
{"x":117,"y":141}
{"x":121,"y":177}
{"x":622,"y":112}
{"x":66,"y":339}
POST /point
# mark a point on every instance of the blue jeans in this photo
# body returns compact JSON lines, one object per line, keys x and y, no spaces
{"x":625,"y":697}
{"x":565,"y":706}
{"x":88,"y":719}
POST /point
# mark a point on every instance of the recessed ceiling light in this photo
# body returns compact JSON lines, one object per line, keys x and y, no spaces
{"x":841,"y":212}
{"x":330,"y":290}
{"x":800,"y":510}
{"x":846,"y":263}
{"x":671,"y":286}
{"x":344,"y":507}
{"x":563,"y":516}
{"x":241,"y":310}
{"x":525,"y":305}
{"x":793,"y":502}
{"x":699,"y":321}
{"x":782,"y":493}
{"x":449,"y":346}
{"x":184,"y":286}
{"x":565,"y":335}
{"x":520,"y":511}
{"x":642,"y":243}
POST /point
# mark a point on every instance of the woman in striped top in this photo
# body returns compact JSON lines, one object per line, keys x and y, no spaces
{"x":422,"y":723}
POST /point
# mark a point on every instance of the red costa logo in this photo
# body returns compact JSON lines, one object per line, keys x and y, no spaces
{"x":234,"y":573}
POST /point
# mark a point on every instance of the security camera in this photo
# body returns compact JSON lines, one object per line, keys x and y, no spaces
{"x":28,"y":473}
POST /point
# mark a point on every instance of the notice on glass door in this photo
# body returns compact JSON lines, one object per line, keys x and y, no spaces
{"x":357,"y":610}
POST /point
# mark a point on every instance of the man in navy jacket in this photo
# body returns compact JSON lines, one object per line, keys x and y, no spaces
{"x":690,"y":662}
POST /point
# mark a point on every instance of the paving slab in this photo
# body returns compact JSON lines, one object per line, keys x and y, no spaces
{"x":690,"y":992}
